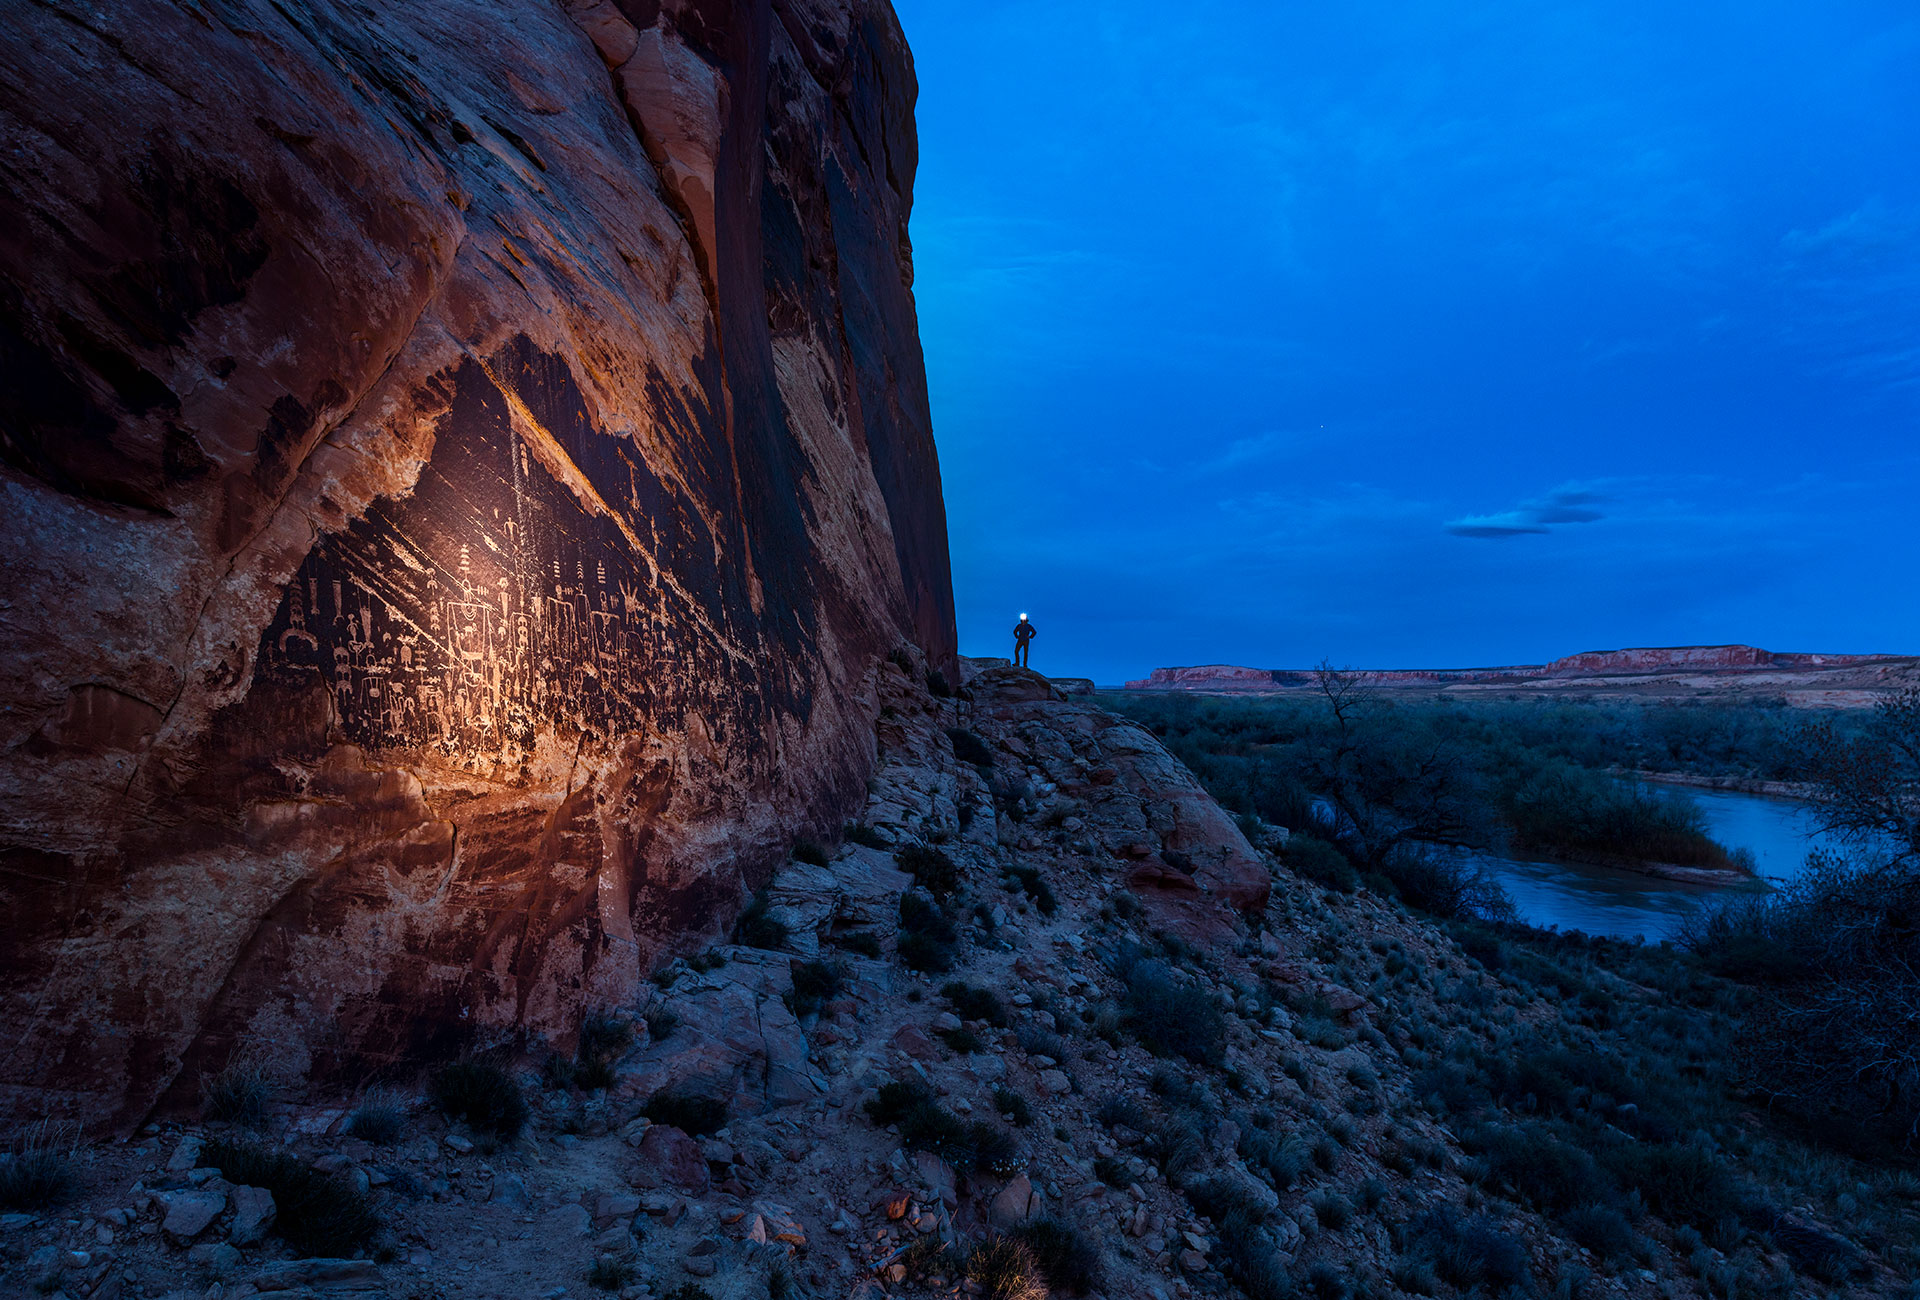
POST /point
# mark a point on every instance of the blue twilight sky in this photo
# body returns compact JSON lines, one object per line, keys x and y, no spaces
{"x":1422,"y":332}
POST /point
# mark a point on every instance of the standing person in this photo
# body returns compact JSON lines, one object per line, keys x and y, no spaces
{"x":1023,"y":635}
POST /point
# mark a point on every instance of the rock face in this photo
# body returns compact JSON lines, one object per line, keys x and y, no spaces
{"x":463,"y":462}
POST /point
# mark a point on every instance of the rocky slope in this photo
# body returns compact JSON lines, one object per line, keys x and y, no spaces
{"x":1299,"y":1117}
{"x":463,"y":463}
{"x":1806,"y":680}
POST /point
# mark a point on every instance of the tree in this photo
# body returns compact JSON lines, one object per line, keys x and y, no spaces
{"x":1867,"y":782}
{"x":1393,"y":782}
{"x":1835,"y":1036}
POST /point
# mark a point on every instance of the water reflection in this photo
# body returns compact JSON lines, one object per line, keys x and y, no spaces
{"x":1597,"y":900}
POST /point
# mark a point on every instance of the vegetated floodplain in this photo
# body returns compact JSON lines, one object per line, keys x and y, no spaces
{"x":1524,"y":778}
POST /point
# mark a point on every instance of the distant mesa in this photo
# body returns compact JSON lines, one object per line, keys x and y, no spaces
{"x":1808,"y":680}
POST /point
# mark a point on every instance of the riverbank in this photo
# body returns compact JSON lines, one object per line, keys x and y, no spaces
{"x":1717,"y":876}
{"x":1736,"y":784}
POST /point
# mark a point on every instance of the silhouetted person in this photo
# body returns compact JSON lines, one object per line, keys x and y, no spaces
{"x":1023,"y":635}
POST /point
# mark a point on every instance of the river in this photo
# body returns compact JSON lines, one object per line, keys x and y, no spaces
{"x":1779,"y":833}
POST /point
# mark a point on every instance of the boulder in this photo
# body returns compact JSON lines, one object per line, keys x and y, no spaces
{"x":676,"y":1157}
{"x":253,"y":1213}
{"x":190,"y":1210}
{"x":1014,"y":1204}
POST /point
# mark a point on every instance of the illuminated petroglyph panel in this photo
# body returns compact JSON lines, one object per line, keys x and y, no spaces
{"x":490,"y":600}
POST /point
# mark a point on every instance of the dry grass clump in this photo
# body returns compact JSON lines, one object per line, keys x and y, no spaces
{"x":1005,"y":1269}
{"x":36,"y":1173}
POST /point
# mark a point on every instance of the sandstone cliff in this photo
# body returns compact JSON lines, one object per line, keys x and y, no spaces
{"x":463,"y":462}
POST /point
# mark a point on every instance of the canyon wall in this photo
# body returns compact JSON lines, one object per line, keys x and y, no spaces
{"x":463,"y":461}
{"x":1731,"y":660}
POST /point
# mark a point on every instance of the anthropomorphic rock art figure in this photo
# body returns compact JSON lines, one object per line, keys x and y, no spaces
{"x":1023,"y":635}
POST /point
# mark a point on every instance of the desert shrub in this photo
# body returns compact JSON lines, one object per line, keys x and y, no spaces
{"x":927,"y":936}
{"x":810,"y":853}
{"x":1169,"y":1018}
{"x":1112,"y":1172}
{"x":1176,"y":1145}
{"x":378,"y":1121}
{"x":1445,"y":885}
{"x":1602,"y":1229}
{"x":1312,"y":858}
{"x":1836,"y":953}
{"x":1031,"y":883}
{"x":1035,"y":1041}
{"x":689,"y":1291}
{"x":926,"y":1126}
{"x":962,"y":1040}
{"x":315,"y":1213}
{"x":1471,"y":1252}
{"x":758,"y":927}
{"x":1682,"y":1184}
{"x":611,"y":1274}
{"x":861,"y":833}
{"x":1325,"y":1281}
{"x":990,"y":1147}
{"x":661,"y":1022}
{"x":863,"y":942}
{"x":1413,"y":1275}
{"x":895,"y":1100}
{"x":1067,"y":1260}
{"x":1280,"y":1160}
{"x":602,"y":1039}
{"x":36,"y":1171}
{"x":930,"y":868}
{"x":1004,"y":1268}
{"x":1372,"y":1193}
{"x":1450,"y":1089}
{"x":1331,"y":1209}
{"x":1012,"y":1105}
{"x":1247,"y":1257}
{"x":694,"y":1115}
{"x":1566,"y":810}
{"x":969,"y":748}
{"x":938,"y":686}
{"x":238,"y":1095}
{"x":1536,"y":1164}
{"x":815,"y":983}
{"x":1121,"y":1109}
{"x":481,"y":1093}
{"x":970,"y":1003}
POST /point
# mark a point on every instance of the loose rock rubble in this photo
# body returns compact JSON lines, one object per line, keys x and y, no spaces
{"x":1075,"y":839}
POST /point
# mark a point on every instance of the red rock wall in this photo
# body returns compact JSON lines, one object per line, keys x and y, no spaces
{"x":462,"y":460}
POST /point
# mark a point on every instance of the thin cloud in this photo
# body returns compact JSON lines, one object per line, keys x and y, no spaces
{"x":1563,"y":506}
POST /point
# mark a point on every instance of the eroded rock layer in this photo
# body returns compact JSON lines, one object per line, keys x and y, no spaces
{"x":462,"y":462}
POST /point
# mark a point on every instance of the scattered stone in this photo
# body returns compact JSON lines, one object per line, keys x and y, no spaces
{"x":509,"y":1191}
{"x":188,"y":1212}
{"x":186,"y":1155}
{"x":457,"y":1143}
{"x":1055,"y":1082}
{"x":1014,"y":1204}
{"x":676,"y":1157}
{"x":218,"y":1256}
{"x":253,"y":1212}
{"x":616,"y":1205}
{"x":570,"y":1221}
